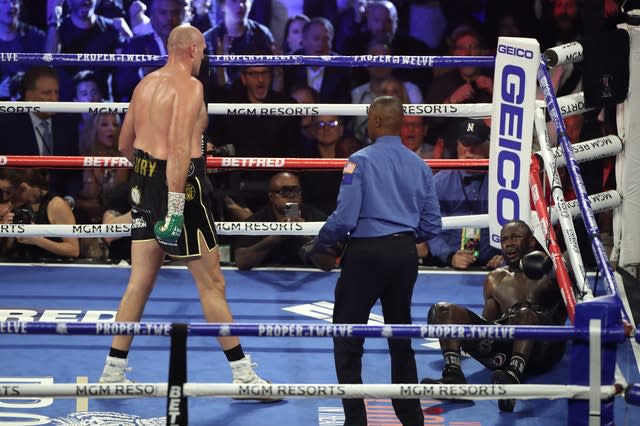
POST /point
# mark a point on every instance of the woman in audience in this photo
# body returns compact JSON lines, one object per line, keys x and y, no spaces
{"x":27,"y":191}
{"x":100,"y":139}
{"x":292,"y":40}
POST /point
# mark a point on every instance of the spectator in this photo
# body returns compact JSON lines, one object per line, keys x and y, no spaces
{"x":83,"y":31}
{"x":111,"y":8}
{"x":413,"y":132}
{"x":86,"y":89}
{"x":367,"y":92}
{"x":250,"y":251}
{"x":117,"y":210}
{"x":347,"y":146}
{"x":140,"y":22}
{"x":15,"y":86}
{"x":564,"y":26}
{"x":392,"y":86}
{"x":464,"y":193}
{"x":164,"y":16}
{"x":253,"y":136}
{"x":321,"y":187}
{"x":43,"y":133}
{"x":292,"y":40}
{"x":460,"y":85}
{"x":508,"y":19}
{"x":382,"y":23}
{"x":203,"y":15}
{"x":31,"y":202}
{"x":332,"y":83}
{"x":16,"y":36}
{"x":237,"y":35}
{"x":99,"y":139}
{"x":306,"y":95}
{"x":350,"y":23}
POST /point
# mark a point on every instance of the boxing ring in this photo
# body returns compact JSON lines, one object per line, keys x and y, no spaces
{"x":80,"y":296}
{"x":282,"y":311}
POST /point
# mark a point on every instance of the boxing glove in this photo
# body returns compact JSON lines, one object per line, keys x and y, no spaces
{"x":321,"y":258}
{"x":536,"y":264}
{"x":306,"y":250}
{"x":168,"y":231}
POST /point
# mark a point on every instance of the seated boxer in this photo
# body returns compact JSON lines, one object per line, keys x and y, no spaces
{"x":522,"y":293}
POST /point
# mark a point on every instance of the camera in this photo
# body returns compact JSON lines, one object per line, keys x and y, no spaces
{"x":23,"y":216}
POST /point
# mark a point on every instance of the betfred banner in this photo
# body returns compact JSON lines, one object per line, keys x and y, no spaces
{"x":514,"y":99}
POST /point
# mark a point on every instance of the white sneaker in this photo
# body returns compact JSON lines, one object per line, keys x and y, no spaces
{"x":114,"y":371}
{"x":243,"y":373}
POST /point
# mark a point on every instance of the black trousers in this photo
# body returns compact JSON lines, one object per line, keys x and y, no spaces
{"x":382,"y":268}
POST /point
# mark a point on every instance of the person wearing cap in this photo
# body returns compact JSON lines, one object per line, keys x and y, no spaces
{"x":460,"y":193}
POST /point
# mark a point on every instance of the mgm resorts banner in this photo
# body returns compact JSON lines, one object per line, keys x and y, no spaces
{"x":514,"y":97}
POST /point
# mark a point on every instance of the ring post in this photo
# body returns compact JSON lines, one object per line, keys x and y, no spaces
{"x":606,"y":309}
{"x":177,"y":414}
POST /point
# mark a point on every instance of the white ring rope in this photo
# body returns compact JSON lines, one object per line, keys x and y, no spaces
{"x":599,"y":202}
{"x":570,"y":105}
{"x":304,"y":390}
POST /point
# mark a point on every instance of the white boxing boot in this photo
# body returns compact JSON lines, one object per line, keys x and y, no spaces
{"x":114,"y":371}
{"x":243,"y":373}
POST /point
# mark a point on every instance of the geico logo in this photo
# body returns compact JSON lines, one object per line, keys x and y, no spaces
{"x":512,"y":82}
{"x":515,"y":51}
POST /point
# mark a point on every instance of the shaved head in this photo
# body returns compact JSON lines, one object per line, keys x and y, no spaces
{"x":182,"y":37}
{"x":385,"y":116}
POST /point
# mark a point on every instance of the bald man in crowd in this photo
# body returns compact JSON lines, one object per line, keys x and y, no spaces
{"x":386,"y":204}
{"x":162,"y":137}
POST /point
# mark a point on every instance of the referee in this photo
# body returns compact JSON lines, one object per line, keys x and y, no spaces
{"x":386,"y":204}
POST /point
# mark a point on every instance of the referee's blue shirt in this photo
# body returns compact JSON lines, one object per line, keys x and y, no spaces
{"x":386,"y":189}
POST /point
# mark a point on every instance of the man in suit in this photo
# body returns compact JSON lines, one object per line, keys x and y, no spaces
{"x":164,"y":15}
{"x":332,"y":83}
{"x":43,"y":133}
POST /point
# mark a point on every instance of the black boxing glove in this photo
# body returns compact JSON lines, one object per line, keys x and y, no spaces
{"x":305,"y":251}
{"x":536,"y":264}
{"x":321,"y":258}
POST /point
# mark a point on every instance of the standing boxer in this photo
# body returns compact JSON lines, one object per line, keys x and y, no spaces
{"x":162,"y":136}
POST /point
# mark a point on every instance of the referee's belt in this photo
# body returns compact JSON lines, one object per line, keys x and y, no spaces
{"x":396,"y":236}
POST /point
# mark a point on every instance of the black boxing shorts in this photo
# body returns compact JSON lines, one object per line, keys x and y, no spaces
{"x":495,"y":354}
{"x":148,"y":199}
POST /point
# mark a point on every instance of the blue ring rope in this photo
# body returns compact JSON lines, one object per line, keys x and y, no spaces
{"x":454,"y":331}
{"x":134,"y":59}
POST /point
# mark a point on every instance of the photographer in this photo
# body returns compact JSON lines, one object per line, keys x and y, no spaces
{"x":285,"y":205}
{"x":31,"y":202}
